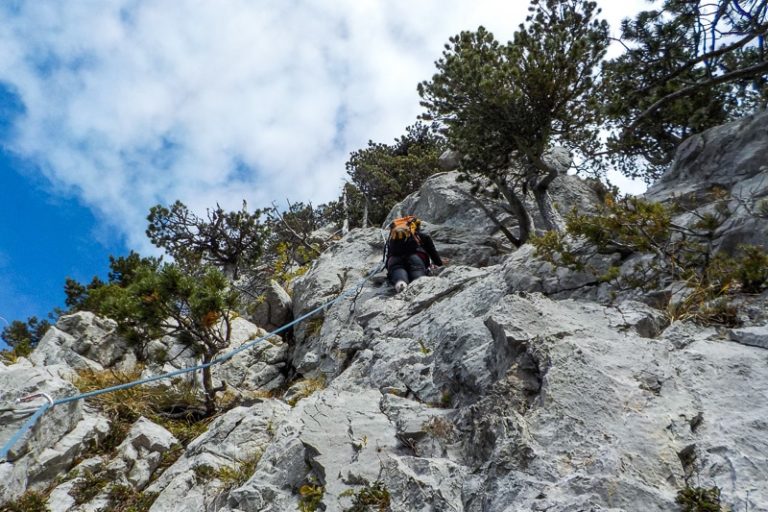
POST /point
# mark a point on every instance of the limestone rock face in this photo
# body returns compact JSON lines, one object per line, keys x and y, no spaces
{"x":261,"y":368}
{"x":482,"y":399}
{"x":50,"y":448}
{"x":84,"y":341}
{"x":726,"y":159}
{"x":498,"y":384}
{"x":728,"y":155}
{"x":241,"y":434}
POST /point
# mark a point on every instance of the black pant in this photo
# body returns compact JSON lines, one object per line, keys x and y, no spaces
{"x":406,"y":268}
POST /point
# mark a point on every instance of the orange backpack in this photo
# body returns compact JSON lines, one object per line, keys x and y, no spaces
{"x":404,"y":236}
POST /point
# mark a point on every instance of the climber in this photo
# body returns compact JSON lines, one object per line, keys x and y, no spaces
{"x":409,"y":253}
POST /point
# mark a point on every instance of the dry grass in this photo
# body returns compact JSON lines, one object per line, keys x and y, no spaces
{"x":178,"y":407}
{"x":308,"y":387}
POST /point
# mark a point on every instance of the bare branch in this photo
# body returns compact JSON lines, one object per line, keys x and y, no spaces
{"x":755,"y":70}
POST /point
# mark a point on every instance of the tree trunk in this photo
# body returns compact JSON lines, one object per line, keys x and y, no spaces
{"x":210,"y":392}
{"x":525,"y":224}
{"x":552,"y":219}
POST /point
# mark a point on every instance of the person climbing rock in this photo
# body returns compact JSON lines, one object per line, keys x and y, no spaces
{"x":409,"y":252}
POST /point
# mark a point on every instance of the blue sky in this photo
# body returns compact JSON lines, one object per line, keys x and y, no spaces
{"x":109,"y":107}
{"x":45,"y":236}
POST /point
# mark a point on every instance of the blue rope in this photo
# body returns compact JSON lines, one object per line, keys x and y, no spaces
{"x":229,"y":355}
{"x":15,"y":438}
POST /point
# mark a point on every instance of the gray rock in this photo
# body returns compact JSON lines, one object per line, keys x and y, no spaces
{"x":238,"y":435}
{"x":756,"y":336}
{"x":449,"y":160}
{"x":84,"y":341}
{"x":273,"y":309}
{"x":559,"y":158}
{"x":59,"y":436}
{"x":726,"y":159}
{"x":58,"y":459}
{"x":259,"y":368}
{"x":139,"y":455}
{"x":725,"y":156}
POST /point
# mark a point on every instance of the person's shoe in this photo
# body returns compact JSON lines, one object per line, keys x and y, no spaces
{"x":400,"y":286}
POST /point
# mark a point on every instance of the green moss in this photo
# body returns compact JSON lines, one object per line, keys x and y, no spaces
{"x":699,"y":499}
{"x":168,"y":458}
{"x":232,"y":477}
{"x":229,"y":477}
{"x":309,"y":386}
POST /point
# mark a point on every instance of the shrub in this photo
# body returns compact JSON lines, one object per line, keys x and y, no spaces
{"x":30,"y":501}
{"x":310,"y":497}
{"x":699,"y":499}
{"x":124,"y":498}
{"x":89,"y":484}
{"x":631,"y":226}
{"x":372,"y":497}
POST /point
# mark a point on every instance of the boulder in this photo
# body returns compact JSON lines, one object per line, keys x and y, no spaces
{"x":272,"y":309}
{"x":449,"y":160}
{"x":259,"y":368}
{"x":84,"y":341}
{"x":559,"y":158}
{"x":139,"y":455}
{"x":61,"y":435}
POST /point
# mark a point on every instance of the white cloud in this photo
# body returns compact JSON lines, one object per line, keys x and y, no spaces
{"x":134,"y":102}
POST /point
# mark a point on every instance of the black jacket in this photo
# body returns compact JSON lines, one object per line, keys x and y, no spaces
{"x":426,"y":246}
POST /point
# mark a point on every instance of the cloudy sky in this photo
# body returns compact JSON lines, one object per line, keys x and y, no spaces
{"x":108,"y":107}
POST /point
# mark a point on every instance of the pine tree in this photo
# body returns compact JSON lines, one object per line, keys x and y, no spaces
{"x":688,"y":66}
{"x":503,"y":106}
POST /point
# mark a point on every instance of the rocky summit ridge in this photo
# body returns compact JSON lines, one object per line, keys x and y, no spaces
{"x":499,"y":384}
